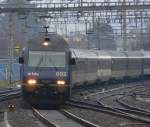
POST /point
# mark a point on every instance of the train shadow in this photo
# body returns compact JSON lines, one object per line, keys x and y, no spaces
{"x":46,"y":107}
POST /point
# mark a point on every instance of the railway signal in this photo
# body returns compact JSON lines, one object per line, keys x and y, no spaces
{"x":17,"y":48}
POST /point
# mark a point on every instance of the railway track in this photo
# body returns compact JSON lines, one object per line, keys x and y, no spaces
{"x":87,"y":92}
{"x":117,"y":105}
{"x":114,"y":94}
{"x":54,"y":118}
{"x":7,"y":94}
{"x":9,"y":90}
{"x":95,"y":104}
{"x":142,"y":98}
{"x":50,"y":117}
{"x":61,"y":118}
{"x":132,"y":107}
{"x":106,"y":109}
{"x":120,"y":90}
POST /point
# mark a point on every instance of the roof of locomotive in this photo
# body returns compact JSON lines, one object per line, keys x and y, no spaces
{"x":57,"y":43}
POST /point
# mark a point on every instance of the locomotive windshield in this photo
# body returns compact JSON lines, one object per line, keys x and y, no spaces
{"x":47,"y":59}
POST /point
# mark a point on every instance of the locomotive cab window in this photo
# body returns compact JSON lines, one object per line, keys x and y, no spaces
{"x":47,"y":59}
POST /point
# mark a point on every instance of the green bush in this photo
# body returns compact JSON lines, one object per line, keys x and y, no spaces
{"x":4,"y":84}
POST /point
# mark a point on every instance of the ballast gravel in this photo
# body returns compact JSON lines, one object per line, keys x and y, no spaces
{"x":19,"y":116}
{"x":103,"y":119}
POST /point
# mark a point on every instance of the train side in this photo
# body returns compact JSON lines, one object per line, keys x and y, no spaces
{"x":53,"y":84}
{"x":92,"y":65}
{"x":146,"y":63}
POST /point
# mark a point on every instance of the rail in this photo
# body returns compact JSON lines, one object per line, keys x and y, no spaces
{"x":106,"y":109}
{"x":8,"y":94}
{"x":50,"y":118}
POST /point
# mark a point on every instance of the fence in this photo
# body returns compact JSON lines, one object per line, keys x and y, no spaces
{"x":5,"y":70}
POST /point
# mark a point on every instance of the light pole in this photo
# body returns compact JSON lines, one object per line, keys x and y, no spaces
{"x":124,"y":26}
{"x":11,"y":49}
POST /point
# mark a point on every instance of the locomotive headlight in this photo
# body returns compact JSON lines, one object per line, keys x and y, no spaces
{"x":45,"y":44}
{"x":32,"y":82}
{"x":61,"y":82}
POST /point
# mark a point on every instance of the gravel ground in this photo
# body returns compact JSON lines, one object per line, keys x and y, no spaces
{"x":20,"y":117}
{"x":106,"y":120}
{"x":23,"y":118}
{"x":147,"y":91}
{"x":1,"y":117}
{"x":100,"y":88}
{"x":111,"y":101}
{"x":139,"y":104}
{"x":102,"y":119}
{"x":110,"y":98}
{"x":134,"y":125}
{"x":126,"y":89}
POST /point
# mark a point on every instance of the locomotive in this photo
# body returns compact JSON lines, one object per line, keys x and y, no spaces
{"x":50,"y":72}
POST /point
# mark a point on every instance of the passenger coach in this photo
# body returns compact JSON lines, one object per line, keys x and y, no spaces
{"x":49,"y":72}
{"x":102,"y":66}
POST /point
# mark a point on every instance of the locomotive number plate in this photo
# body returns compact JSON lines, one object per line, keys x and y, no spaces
{"x":61,"y":74}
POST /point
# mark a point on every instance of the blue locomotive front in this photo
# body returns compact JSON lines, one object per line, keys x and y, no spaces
{"x":45,"y":76}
